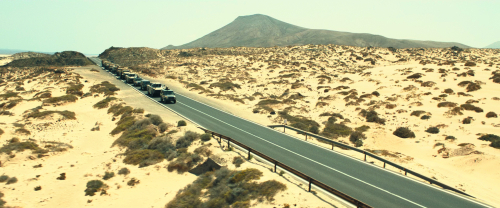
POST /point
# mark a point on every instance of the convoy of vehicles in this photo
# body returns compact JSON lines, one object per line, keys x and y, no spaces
{"x":153,"y":88}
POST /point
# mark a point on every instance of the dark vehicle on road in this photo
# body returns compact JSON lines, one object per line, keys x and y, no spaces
{"x":137,"y":81}
{"x":121,"y":73}
{"x":167,"y":96}
{"x":130,"y":77}
{"x":155,"y":88}
{"x":144,"y":84}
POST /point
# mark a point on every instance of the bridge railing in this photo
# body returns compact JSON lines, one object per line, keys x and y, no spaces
{"x":366,"y":153}
{"x":299,"y":174}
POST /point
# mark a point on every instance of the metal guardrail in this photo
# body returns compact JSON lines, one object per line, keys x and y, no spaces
{"x":334,"y":143}
{"x":301,"y":175}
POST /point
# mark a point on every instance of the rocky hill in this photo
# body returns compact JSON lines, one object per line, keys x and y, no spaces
{"x":132,"y":56}
{"x":66,"y":58}
{"x":263,"y":31}
{"x":25,"y":55}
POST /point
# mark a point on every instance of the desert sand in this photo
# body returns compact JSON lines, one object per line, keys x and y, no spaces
{"x":308,"y":81}
{"x":88,"y":153}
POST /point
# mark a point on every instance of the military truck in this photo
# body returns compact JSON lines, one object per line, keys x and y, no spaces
{"x":137,"y":81}
{"x":144,"y":84}
{"x":129,"y":78}
{"x":167,"y":96}
{"x":122,"y":73}
{"x":154,"y":89}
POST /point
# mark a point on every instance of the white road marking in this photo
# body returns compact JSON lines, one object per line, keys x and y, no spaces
{"x":307,"y":158}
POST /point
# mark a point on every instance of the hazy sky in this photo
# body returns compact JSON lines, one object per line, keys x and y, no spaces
{"x":92,"y":26}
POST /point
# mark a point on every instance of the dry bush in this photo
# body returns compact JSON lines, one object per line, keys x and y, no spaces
{"x":447,"y":104}
{"x":428,"y":84}
{"x":390,"y":106}
{"x":404,"y":132}
{"x":471,"y":107}
{"x":415,"y":76}
{"x":490,"y":114}
{"x":470,"y":63}
{"x":432,"y":130}
{"x":449,"y":91}
{"x":467,"y":120}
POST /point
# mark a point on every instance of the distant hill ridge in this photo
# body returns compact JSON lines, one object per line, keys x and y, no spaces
{"x":263,"y":31}
{"x":65,"y":58}
{"x":494,"y":45}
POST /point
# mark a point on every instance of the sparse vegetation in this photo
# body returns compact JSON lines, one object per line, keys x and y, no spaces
{"x":237,"y":161}
{"x":181,"y":123}
{"x":490,"y":114}
{"x":61,"y":99}
{"x":108,"y":175}
{"x":205,"y":137}
{"x":357,"y":138}
{"x":104,"y":103}
{"x":225,"y":188}
{"x":471,"y":107}
{"x":124,"y":171}
{"x":372,"y":116}
{"x":105,"y":88}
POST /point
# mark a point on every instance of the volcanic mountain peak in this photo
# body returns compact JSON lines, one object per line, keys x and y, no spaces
{"x":263,"y":31}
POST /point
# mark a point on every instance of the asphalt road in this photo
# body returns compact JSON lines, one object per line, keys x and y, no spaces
{"x":371,"y":184}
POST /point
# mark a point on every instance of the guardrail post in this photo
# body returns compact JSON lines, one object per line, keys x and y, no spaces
{"x":365,"y":154}
{"x":405,"y":171}
{"x":284,"y":129}
{"x":275,"y":164}
{"x":249,"y":150}
{"x":384,"y":164}
{"x":306,"y":137}
{"x":228,"y":144}
{"x":310,"y":180}
{"x":333,"y":146}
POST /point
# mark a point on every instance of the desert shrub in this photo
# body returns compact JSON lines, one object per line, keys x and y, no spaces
{"x":155,"y":119}
{"x":184,"y":162}
{"x":1,"y":132}
{"x":108,"y":175}
{"x":19,"y":147}
{"x":452,"y":138}
{"x":23,"y":131}
{"x":425,"y":117}
{"x":449,"y":91}
{"x":314,"y":130}
{"x":3,"y":178}
{"x":473,"y":87}
{"x":269,"y":102}
{"x":357,"y":138}
{"x":237,"y":161}
{"x":428,"y":84}
{"x":415,"y":76}
{"x":105,"y":88}
{"x":123,"y":124}
{"x":143,"y":157}
{"x":299,"y":122}
{"x":125,"y":110}
{"x":363,"y":128}
{"x":140,"y":124}
{"x":104,"y":103}
{"x":372,"y":116}
{"x":66,"y":114}
{"x":417,"y":113}
{"x":181,"y":123}
{"x":9,"y":95}
{"x":162,"y":127}
{"x":11,"y":180}
{"x":447,"y":104}
{"x":206,"y":137}
{"x":124,"y":171}
{"x":432,"y":130}
{"x":61,"y":99}
{"x":490,"y":114}
{"x":93,"y":186}
{"x":467,"y":120}
{"x":376,"y":93}
{"x":203,"y":151}
{"x":471,"y":107}
{"x":470,"y":63}
{"x":334,"y":130}
{"x":187,"y":139}
{"x":225,"y":85}
{"x":224,"y":192}
{"x":494,"y":139}
{"x":75,"y":89}
{"x":404,"y":132}
{"x":390,"y":106}
{"x":138,"y":110}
